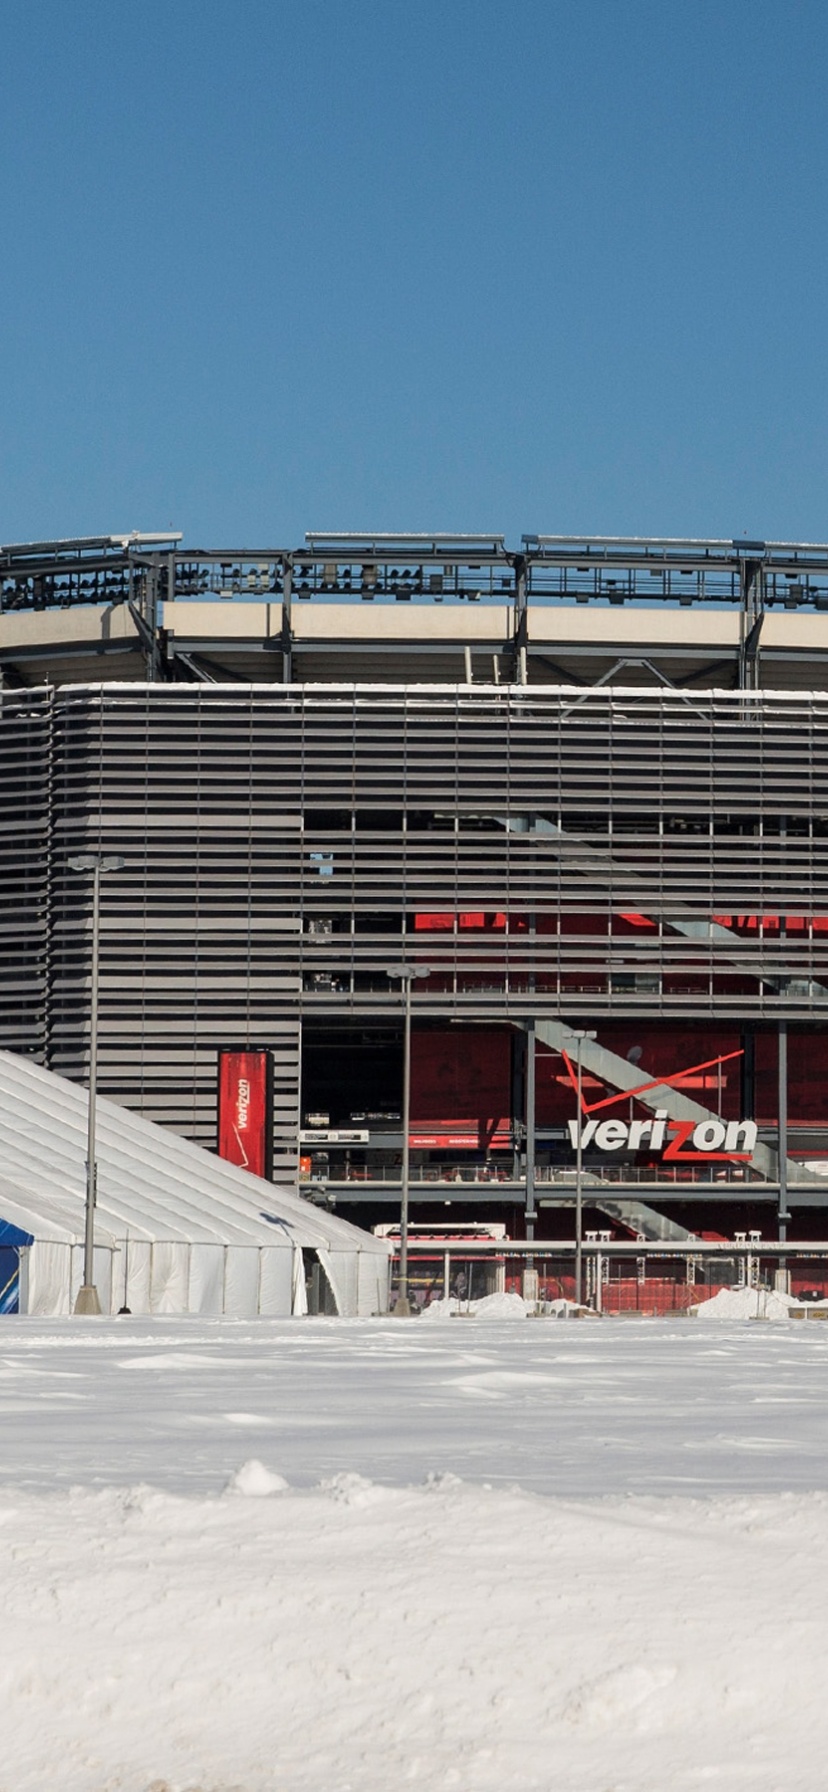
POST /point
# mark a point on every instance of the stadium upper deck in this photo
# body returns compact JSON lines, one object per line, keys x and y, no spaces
{"x":414,"y":608}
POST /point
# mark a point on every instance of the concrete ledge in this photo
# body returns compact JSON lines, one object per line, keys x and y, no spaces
{"x":27,"y":630}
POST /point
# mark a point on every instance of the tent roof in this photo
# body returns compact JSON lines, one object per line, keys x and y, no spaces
{"x":151,"y":1182}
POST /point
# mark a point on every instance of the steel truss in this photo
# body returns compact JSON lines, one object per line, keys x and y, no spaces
{"x":434,"y":607}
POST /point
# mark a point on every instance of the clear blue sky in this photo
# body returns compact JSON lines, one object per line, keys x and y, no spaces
{"x":551,"y":265}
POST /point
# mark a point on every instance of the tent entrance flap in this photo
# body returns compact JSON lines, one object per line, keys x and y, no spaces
{"x":321,"y":1293}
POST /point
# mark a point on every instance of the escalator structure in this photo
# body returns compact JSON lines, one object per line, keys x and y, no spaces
{"x":594,"y":863}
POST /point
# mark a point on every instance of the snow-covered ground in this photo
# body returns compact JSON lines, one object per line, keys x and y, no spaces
{"x":325,"y":1556}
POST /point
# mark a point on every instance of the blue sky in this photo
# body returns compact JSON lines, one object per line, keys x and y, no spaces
{"x":541,"y":266}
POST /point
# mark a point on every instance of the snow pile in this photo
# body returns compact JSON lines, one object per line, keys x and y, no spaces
{"x":747,"y":1303}
{"x":492,"y":1306}
{"x":254,"y":1481}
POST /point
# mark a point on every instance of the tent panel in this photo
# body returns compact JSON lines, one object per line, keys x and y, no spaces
{"x":169,"y":1277}
{"x":206,"y":1278}
{"x":372,"y":1284}
{"x":241,"y":1282}
{"x":276,"y":1283}
{"x":341,"y":1270}
{"x":46,"y":1279}
{"x":134,"y":1263}
{"x":28,"y":1204}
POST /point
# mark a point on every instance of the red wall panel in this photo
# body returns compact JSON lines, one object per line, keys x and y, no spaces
{"x":460,"y":1086}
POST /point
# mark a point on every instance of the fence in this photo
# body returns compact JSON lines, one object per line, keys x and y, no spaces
{"x":617,"y":1278}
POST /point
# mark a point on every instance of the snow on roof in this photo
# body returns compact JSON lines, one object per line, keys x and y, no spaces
{"x":151,"y":1181}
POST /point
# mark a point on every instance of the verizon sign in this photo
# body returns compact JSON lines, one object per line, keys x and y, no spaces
{"x":674,"y":1141}
{"x":244,"y":1109}
{"x":671,"y":1140}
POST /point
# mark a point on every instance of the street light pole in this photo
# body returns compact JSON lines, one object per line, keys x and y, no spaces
{"x":404,"y":974}
{"x":579,"y":1205}
{"x":578,"y":1039}
{"x":87,"y":1300}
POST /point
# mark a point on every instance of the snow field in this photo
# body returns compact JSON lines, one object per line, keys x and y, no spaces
{"x":364,"y":1637}
{"x":294,"y":1557}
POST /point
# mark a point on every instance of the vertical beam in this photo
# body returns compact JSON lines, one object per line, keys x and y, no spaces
{"x":531,"y":1210}
{"x":91,"y":1162}
{"x":518,"y":1103}
{"x":148,"y":609}
{"x":402,"y":1297}
{"x":287,"y":630}
{"x":752,"y":579}
{"x":579,"y":1185}
{"x":521,"y":620}
{"x":782,"y":1131}
{"x":747,"y":1071}
{"x":296,"y":1151}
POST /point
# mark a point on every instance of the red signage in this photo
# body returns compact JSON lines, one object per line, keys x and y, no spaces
{"x":483,"y":1135}
{"x":705,"y":1137}
{"x":244,"y":1109}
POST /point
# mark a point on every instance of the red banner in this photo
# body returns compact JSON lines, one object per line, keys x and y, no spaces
{"x":244,"y":1109}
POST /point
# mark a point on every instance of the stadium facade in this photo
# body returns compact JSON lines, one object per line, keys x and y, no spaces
{"x":582,"y":786}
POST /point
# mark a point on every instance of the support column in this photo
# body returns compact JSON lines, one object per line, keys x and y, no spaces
{"x":752,"y":578}
{"x":518,"y":1103}
{"x":521,"y":621}
{"x":783,"y":1214}
{"x":287,"y":631}
{"x":530,"y":1210}
{"x":747,"y":1103}
{"x":146,"y":611}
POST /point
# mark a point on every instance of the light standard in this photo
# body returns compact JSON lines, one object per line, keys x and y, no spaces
{"x":578,"y":1039}
{"x":98,"y":863}
{"x":405,"y":974}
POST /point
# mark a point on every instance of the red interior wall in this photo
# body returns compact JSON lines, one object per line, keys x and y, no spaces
{"x":461,"y":1077}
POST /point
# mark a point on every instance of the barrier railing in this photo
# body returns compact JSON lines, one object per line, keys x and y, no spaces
{"x":544,"y":1175}
{"x":619,"y":1277}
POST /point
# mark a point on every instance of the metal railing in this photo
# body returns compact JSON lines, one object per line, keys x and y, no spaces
{"x":619,"y":1278}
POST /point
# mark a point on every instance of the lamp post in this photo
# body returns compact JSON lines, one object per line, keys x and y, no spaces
{"x":578,"y":1039}
{"x":99,"y":864}
{"x":404,"y":974}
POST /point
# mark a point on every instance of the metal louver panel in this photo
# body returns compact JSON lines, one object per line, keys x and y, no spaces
{"x":192,"y":931}
{"x":278,"y":838}
{"x":25,"y":794}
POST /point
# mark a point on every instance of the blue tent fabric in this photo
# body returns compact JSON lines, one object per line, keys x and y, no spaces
{"x":14,"y":1235}
{"x":11,"y":1239}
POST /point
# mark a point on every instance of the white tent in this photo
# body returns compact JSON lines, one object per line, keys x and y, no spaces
{"x":177,"y":1230}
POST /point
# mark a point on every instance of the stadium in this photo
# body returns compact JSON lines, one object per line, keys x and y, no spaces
{"x":578,"y":789}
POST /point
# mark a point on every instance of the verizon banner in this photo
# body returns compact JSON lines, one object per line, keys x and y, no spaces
{"x":244,"y":1109}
